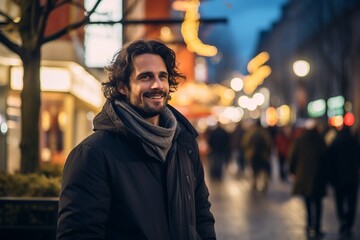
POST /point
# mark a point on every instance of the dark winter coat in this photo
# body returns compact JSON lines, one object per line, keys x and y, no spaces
{"x":344,"y":160}
{"x":308,"y":166}
{"x":219,"y":141}
{"x":257,"y":143}
{"x":112,"y":189}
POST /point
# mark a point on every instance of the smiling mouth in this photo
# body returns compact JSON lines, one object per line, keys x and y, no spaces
{"x":155,"y":95}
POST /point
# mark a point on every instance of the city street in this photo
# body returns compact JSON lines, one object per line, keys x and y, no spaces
{"x":241,"y":213}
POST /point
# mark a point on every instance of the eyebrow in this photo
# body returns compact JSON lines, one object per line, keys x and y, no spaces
{"x":163,"y":72}
{"x":152,"y":73}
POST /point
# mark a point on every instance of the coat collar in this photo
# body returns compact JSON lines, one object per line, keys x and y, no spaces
{"x":108,"y":119}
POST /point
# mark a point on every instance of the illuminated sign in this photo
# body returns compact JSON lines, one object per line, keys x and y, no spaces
{"x":73,"y":79}
{"x":52,"y":79}
{"x":85,"y":86}
{"x":335,"y":106}
{"x":317,"y":108}
{"x":102,"y":41}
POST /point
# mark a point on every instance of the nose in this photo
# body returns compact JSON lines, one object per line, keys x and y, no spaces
{"x":157,"y":83}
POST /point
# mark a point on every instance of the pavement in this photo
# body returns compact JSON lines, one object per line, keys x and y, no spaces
{"x":244,"y":214}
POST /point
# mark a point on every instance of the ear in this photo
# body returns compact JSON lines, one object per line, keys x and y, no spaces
{"x":122,"y":89}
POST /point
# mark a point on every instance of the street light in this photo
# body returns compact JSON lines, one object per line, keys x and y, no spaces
{"x":237,"y":84}
{"x":301,"y":68}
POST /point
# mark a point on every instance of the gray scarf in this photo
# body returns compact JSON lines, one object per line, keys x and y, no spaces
{"x":156,"y":140}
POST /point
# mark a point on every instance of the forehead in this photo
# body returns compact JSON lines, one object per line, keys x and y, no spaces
{"x":149,"y":62}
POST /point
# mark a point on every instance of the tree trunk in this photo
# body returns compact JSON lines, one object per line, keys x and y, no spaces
{"x":30,"y":112}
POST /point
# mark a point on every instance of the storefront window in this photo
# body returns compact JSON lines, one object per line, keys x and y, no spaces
{"x":52,"y":128}
{"x":14,"y":132}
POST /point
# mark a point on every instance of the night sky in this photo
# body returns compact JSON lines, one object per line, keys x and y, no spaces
{"x":237,"y":39}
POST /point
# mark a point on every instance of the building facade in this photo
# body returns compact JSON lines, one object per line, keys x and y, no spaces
{"x":70,"y":97}
{"x":71,"y":90}
{"x":326,"y":34}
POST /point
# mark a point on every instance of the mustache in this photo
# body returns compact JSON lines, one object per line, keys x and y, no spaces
{"x":154,"y":93}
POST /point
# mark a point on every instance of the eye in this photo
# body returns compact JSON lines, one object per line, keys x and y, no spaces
{"x":163,"y":76}
{"x":145,"y":77}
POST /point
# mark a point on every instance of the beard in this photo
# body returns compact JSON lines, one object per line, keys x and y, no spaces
{"x":148,"y":111}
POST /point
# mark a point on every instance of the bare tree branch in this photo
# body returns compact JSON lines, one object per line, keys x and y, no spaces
{"x":93,"y":9}
{"x":8,"y":18}
{"x":72,"y":26}
{"x":65,"y":30}
{"x":50,"y":6}
{"x":11,"y":45}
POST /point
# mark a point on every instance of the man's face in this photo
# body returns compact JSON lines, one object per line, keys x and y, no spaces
{"x":149,"y":86}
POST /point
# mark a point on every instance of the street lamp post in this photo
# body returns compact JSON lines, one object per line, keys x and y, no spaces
{"x":301,"y":69}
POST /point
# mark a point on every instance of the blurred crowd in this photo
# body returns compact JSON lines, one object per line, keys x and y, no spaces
{"x":309,"y":155}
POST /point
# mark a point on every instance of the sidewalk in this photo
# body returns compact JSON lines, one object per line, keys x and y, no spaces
{"x":242,"y":214}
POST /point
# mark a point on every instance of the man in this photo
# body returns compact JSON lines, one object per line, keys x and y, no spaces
{"x":219,"y":144}
{"x":307,"y":169}
{"x":257,"y":142}
{"x":344,"y":167}
{"x":139,"y":176}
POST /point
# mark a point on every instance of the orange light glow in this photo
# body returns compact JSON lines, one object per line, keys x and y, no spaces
{"x":190,"y":29}
{"x":257,"y":72}
{"x":336,"y":121}
{"x":252,"y":81}
{"x":257,"y":61}
{"x":271,"y":116}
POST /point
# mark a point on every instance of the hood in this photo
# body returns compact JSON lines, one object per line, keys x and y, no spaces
{"x":110,"y":120}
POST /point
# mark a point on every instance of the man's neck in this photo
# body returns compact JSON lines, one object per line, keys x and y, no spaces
{"x":153,"y":120}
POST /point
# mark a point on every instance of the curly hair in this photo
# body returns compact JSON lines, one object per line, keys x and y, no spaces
{"x":121,"y":66}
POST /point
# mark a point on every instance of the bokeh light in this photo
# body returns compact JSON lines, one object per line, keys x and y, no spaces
{"x":301,"y":68}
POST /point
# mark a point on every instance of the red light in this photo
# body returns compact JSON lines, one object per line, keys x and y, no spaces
{"x":349,"y":119}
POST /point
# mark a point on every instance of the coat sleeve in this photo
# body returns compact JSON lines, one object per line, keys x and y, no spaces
{"x":204,"y":218}
{"x":85,"y":196}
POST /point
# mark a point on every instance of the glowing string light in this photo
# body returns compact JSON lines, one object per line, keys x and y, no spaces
{"x":190,"y":28}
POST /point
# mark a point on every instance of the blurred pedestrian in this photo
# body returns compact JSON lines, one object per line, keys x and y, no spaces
{"x":344,"y":161}
{"x":306,"y":159}
{"x":139,"y":175}
{"x":257,"y":143}
{"x":219,"y":151}
{"x":237,"y":146}
{"x":283,"y":140}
